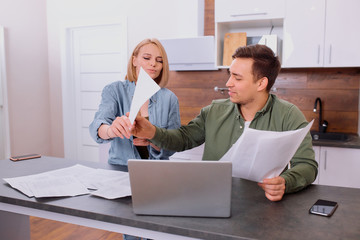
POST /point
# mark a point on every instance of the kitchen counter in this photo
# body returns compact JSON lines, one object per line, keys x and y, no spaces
{"x":352,"y":142}
{"x":252,"y":215}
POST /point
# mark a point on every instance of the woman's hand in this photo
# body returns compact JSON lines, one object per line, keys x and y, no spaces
{"x":141,"y":142}
{"x":120,"y":127}
{"x":144,"y":142}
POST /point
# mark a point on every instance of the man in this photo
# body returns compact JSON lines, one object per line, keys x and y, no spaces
{"x":252,"y":74}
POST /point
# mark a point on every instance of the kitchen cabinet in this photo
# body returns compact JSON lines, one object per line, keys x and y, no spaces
{"x":256,"y":18}
{"x":244,"y":10}
{"x":321,"y":33}
{"x":338,"y":166}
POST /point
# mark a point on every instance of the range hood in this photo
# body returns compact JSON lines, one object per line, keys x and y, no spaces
{"x":190,"y":54}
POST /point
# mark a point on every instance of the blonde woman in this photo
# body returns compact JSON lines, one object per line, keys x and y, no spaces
{"x":162,"y":109}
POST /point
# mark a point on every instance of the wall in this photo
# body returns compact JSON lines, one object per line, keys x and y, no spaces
{"x":337,"y":87}
{"x":27,"y":75}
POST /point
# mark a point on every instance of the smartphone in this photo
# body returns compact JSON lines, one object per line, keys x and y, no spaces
{"x":323,"y":208}
{"x":24,"y":157}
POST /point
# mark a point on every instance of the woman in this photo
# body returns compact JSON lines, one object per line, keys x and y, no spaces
{"x":162,"y":108}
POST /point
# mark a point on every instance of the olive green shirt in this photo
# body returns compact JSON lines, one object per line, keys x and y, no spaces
{"x":220,"y":124}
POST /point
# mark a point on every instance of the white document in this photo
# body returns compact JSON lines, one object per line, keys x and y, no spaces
{"x":145,"y":88}
{"x":73,"y":181}
{"x":21,"y":183}
{"x":102,"y":178}
{"x":67,"y":186}
{"x":258,"y":154}
{"x":116,"y":188}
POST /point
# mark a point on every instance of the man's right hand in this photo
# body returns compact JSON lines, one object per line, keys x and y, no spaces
{"x":142,"y":128}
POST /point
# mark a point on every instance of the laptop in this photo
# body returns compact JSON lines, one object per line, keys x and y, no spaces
{"x":181,"y":188}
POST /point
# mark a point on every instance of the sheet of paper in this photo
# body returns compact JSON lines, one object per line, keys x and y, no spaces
{"x":67,"y":186}
{"x":145,"y":88}
{"x":257,"y":154}
{"x":116,"y":188}
{"x":73,"y":181}
{"x":102,"y":177}
{"x":21,"y":183}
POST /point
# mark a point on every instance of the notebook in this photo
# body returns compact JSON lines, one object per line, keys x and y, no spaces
{"x":181,"y":188}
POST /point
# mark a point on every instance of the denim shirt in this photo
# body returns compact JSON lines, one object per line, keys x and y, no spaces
{"x":116,"y":101}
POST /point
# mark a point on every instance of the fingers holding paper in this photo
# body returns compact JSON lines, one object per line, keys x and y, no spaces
{"x":142,"y":128}
{"x":274,"y":188}
{"x":120,"y":127}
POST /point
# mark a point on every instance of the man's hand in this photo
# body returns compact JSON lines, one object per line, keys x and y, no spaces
{"x":274,"y":188}
{"x":142,"y":128}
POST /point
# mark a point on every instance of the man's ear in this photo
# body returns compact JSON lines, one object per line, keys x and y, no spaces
{"x":262,"y":83}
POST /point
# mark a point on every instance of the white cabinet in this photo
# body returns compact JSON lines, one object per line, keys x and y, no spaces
{"x":338,"y":166}
{"x":321,"y":33}
{"x":244,"y":10}
{"x":342,"y":39}
{"x":256,"y":18}
{"x":304,"y":33}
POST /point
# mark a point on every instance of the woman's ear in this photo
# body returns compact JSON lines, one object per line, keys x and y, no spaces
{"x":134,"y":61}
{"x":263,"y":82}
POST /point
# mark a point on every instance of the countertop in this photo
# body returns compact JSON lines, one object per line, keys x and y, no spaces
{"x":352,"y":142}
{"x":252,"y":215}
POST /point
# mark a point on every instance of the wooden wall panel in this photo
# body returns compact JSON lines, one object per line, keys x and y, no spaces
{"x":209,"y":19}
{"x":337,"y":87}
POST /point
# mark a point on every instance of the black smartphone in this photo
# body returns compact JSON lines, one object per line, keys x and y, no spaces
{"x":323,"y":207}
{"x":24,"y":157}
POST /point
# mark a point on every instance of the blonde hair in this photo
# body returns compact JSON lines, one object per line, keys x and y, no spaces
{"x":163,"y":78}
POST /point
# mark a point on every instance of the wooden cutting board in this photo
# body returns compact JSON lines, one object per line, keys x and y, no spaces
{"x":231,"y":42}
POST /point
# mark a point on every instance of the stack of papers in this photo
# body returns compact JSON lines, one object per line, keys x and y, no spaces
{"x":74,"y":181}
{"x":258,"y":154}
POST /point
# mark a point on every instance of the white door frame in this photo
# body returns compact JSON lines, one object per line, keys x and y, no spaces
{"x":4,"y":108}
{"x":67,"y":77}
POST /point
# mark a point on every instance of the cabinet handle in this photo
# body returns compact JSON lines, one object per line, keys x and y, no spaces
{"x":325,"y":160}
{"x":330,"y":51}
{"x":318,"y":54}
{"x":248,"y":14}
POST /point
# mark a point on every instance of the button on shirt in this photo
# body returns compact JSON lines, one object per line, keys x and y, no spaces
{"x":116,"y":101}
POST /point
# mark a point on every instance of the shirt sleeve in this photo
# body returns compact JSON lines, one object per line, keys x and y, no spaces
{"x":173,"y":123}
{"x":106,"y":113}
{"x":304,"y":168}
{"x":183,"y":138}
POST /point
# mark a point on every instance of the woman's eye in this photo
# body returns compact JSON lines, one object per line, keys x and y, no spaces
{"x":146,"y":58}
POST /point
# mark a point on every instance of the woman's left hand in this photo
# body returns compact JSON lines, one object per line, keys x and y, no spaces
{"x":141,"y":142}
{"x":144,"y":142}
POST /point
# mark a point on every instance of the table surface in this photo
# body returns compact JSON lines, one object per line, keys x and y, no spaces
{"x":252,"y":215}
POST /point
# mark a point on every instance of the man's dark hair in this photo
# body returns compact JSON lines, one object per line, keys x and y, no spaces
{"x":266,"y":64}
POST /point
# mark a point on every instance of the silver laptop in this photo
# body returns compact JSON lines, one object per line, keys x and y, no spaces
{"x":181,"y":188}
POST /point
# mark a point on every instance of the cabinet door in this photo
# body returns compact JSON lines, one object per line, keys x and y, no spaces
{"x":304,"y":33}
{"x":342,"y":39}
{"x":339,"y":167}
{"x":240,"y":10}
{"x":317,"y":158}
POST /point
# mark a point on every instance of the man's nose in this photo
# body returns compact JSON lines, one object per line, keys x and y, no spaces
{"x":228,"y":82}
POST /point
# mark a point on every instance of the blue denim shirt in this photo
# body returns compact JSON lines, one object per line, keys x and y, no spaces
{"x":116,"y":101}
